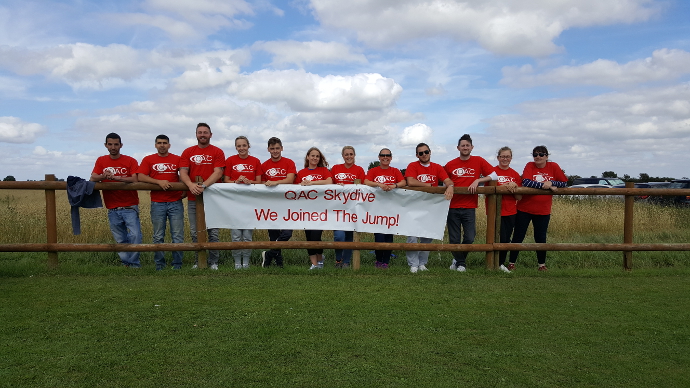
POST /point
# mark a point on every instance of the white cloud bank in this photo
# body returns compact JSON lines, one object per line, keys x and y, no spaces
{"x":663,"y":65}
{"x":518,"y":27}
{"x":415,"y":134}
{"x":14,"y":130}
{"x":299,"y":53}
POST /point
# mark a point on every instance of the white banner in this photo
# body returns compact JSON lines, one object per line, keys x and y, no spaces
{"x":326,"y":207}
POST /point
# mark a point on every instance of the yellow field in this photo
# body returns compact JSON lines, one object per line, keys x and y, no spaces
{"x":589,"y":220}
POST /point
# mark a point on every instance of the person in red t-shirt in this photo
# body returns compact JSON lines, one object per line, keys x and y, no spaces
{"x":465,"y":171}
{"x":123,"y":205}
{"x":511,"y":180}
{"x":424,"y":173}
{"x":207,"y":161}
{"x":242,"y":169}
{"x":277,"y":170}
{"x":162,"y":169}
{"x":315,"y":172}
{"x":386,"y":178}
{"x":540,"y":174}
{"x":346,"y":174}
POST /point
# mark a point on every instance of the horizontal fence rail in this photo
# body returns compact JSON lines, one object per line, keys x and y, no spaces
{"x":494,"y":193}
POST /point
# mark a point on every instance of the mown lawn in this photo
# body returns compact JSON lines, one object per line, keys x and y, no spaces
{"x":114,"y":327}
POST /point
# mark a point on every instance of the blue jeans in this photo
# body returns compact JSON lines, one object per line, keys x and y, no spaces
{"x":461,"y":219}
{"x":161,"y":212}
{"x":212,"y":235}
{"x":343,"y":255}
{"x":126,"y":229}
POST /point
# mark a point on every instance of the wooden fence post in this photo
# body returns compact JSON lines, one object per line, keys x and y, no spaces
{"x":490,"y":226}
{"x":628,"y":226}
{"x":51,"y":222}
{"x":201,"y":233}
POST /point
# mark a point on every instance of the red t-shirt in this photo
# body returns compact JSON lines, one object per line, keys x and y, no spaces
{"x":162,"y":168}
{"x":431,"y":174}
{"x":201,"y":162}
{"x":249,"y":167}
{"x":276,"y":171}
{"x":540,"y":204}
{"x":347,"y":176}
{"x":124,"y":166}
{"x":463,"y":173}
{"x":508,"y":206}
{"x":388,"y":176}
{"x":317,"y":174}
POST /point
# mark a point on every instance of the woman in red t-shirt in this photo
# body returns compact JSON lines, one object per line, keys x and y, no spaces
{"x":509,"y":178}
{"x":386,"y":178}
{"x":315,"y":172}
{"x":244,"y":169}
{"x":540,"y":174}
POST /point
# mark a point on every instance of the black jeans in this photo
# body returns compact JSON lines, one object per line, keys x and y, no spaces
{"x":540,"y":224}
{"x":276,"y":235}
{"x":313,"y":235}
{"x":383,"y":256}
{"x":507,"y":227}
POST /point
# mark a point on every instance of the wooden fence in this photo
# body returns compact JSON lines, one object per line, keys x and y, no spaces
{"x":491,"y":247}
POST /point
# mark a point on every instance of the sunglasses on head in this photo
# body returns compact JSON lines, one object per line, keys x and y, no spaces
{"x":385,"y":155}
{"x":420,"y":153}
{"x":535,"y":154}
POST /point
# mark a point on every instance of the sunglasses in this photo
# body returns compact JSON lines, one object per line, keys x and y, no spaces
{"x":420,"y":153}
{"x":385,"y":155}
{"x":535,"y":154}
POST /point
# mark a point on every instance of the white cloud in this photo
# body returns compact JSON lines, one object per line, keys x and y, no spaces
{"x":87,"y":66}
{"x":415,"y":134}
{"x":519,"y":27}
{"x":299,"y":53}
{"x":663,"y":65}
{"x":306,"y":92}
{"x":14,"y":130}
{"x":631,"y":132}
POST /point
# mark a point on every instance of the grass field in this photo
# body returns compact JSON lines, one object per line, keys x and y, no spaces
{"x":585,"y":323}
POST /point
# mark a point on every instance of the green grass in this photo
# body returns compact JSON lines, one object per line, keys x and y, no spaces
{"x":89,"y":325}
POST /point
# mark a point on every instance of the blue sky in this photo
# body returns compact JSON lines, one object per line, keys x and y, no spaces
{"x":605,"y":85}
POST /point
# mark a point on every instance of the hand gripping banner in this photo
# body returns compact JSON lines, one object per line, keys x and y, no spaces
{"x":326,"y":207}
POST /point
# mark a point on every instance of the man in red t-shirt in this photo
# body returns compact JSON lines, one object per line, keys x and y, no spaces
{"x":207,"y":161}
{"x":424,"y":173}
{"x":123,"y":205}
{"x":277,"y":170}
{"x":162,"y":169}
{"x":465,"y":171}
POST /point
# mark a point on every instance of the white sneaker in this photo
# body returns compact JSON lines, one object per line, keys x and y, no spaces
{"x":413,"y":269}
{"x":461,"y":268}
{"x":504,"y":269}
{"x":195,"y":266}
{"x":453,"y":265}
{"x":313,"y":266}
{"x":214,"y":267}
{"x":238,"y":266}
{"x":423,"y":268}
{"x":245,"y":265}
{"x":320,"y":264}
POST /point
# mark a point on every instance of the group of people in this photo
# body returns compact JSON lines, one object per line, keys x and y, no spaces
{"x":208,"y":162}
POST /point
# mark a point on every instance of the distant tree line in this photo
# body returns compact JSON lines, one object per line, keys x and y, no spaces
{"x":643,"y":177}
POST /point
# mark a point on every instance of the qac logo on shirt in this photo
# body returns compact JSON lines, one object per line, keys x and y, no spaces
{"x":426,"y":178}
{"x":542,"y":177}
{"x":276,"y":172}
{"x":464,"y":171}
{"x":502,"y":180}
{"x":243,"y":167}
{"x":118,"y":171}
{"x":345,"y":177}
{"x":164,"y":167}
{"x":385,"y":179}
{"x":201,"y":159}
